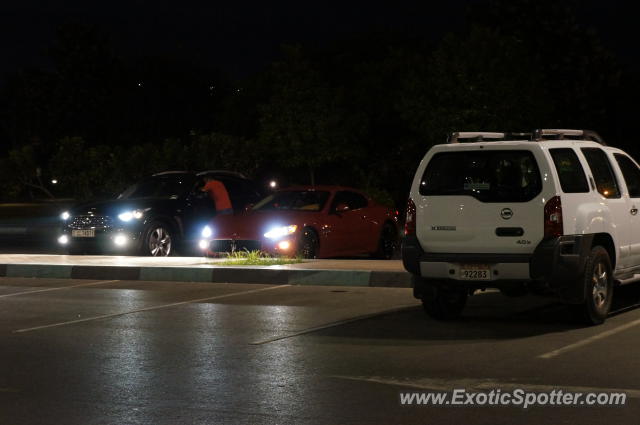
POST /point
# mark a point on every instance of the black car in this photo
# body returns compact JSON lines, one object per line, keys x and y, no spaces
{"x":155,"y":216}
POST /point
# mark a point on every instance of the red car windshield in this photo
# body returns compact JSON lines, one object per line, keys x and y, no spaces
{"x":293,"y":200}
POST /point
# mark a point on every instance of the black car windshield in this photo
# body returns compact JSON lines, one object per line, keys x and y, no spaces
{"x":294,"y":200}
{"x":489,"y":176}
{"x":167,"y":186}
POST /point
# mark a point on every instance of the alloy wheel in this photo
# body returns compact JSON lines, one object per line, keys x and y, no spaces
{"x":600,"y":285}
{"x":159,"y":242}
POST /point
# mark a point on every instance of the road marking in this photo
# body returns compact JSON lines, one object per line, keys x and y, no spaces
{"x":570,"y":347}
{"x":58,"y":288}
{"x":477,"y":385}
{"x":333,"y":324}
{"x":157,"y":307}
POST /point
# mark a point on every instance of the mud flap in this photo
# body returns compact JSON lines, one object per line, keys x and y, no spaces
{"x":560,"y":262}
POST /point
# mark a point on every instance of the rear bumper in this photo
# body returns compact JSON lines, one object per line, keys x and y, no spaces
{"x":557,"y":263}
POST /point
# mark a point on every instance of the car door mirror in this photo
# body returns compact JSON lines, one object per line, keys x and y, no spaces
{"x":341,"y":207}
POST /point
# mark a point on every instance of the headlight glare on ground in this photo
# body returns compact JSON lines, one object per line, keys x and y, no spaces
{"x":279,"y":232}
{"x":206,"y":232}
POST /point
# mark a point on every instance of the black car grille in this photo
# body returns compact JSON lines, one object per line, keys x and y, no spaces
{"x":90,"y":222}
{"x":228,"y":245}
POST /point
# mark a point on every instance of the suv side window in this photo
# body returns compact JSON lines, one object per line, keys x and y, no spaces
{"x":602,"y":173}
{"x":570,"y":172}
{"x":631,"y":174}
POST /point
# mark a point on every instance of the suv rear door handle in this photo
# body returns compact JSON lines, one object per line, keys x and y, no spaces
{"x":634,"y":210}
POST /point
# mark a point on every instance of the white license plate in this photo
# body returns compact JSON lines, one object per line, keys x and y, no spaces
{"x":475,"y":272}
{"x":87,"y":233}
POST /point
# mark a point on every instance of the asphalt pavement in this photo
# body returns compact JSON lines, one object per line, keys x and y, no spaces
{"x":142,"y":352}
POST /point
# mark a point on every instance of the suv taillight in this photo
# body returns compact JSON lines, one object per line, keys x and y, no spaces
{"x":553,"y":218}
{"x":410,"y":221}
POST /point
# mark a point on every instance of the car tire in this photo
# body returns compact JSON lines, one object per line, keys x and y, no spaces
{"x":443,"y":303}
{"x":158,"y":240}
{"x":308,"y":245}
{"x":597,"y":282}
{"x":387,"y":243}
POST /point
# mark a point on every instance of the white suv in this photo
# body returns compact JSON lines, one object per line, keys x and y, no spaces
{"x":552,"y":211}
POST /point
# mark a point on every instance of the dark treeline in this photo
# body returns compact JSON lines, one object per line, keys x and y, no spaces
{"x":358,"y":112}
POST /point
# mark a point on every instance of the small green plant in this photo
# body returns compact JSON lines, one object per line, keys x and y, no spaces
{"x":255,"y":258}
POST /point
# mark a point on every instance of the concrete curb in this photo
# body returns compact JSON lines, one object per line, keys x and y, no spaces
{"x":213,"y":274}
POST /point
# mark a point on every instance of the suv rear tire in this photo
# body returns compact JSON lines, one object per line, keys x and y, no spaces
{"x":597,"y":282}
{"x":443,"y":303}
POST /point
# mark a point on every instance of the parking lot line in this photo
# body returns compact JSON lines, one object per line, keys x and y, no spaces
{"x":586,"y":341}
{"x":156,"y":307}
{"x":57,"y":288}
{"x":333,"y":324}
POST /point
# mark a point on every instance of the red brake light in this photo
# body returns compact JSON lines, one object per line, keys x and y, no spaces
{"x":410,"y":221}
{"x":553,"y":218}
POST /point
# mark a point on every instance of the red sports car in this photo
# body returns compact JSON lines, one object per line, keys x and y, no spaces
{"x":309,"y":221}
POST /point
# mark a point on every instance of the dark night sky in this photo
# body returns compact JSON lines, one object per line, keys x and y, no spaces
{"x":241,"y":37}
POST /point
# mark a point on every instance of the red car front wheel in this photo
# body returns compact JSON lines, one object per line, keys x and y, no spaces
{"x":308,"y":246}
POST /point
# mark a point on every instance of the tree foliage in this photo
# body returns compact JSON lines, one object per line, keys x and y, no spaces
{"x":306,"y":122}
{"x":360,"y":111}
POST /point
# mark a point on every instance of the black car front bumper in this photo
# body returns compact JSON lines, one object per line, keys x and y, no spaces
{"x":104,"y":239}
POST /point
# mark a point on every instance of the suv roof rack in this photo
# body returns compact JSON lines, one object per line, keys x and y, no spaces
{"x":564,"y":134}
{"x":475,"y":136}
{"x":535,"y":136}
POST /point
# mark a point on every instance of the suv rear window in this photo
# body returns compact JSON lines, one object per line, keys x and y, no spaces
{"x":489,"y":176}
